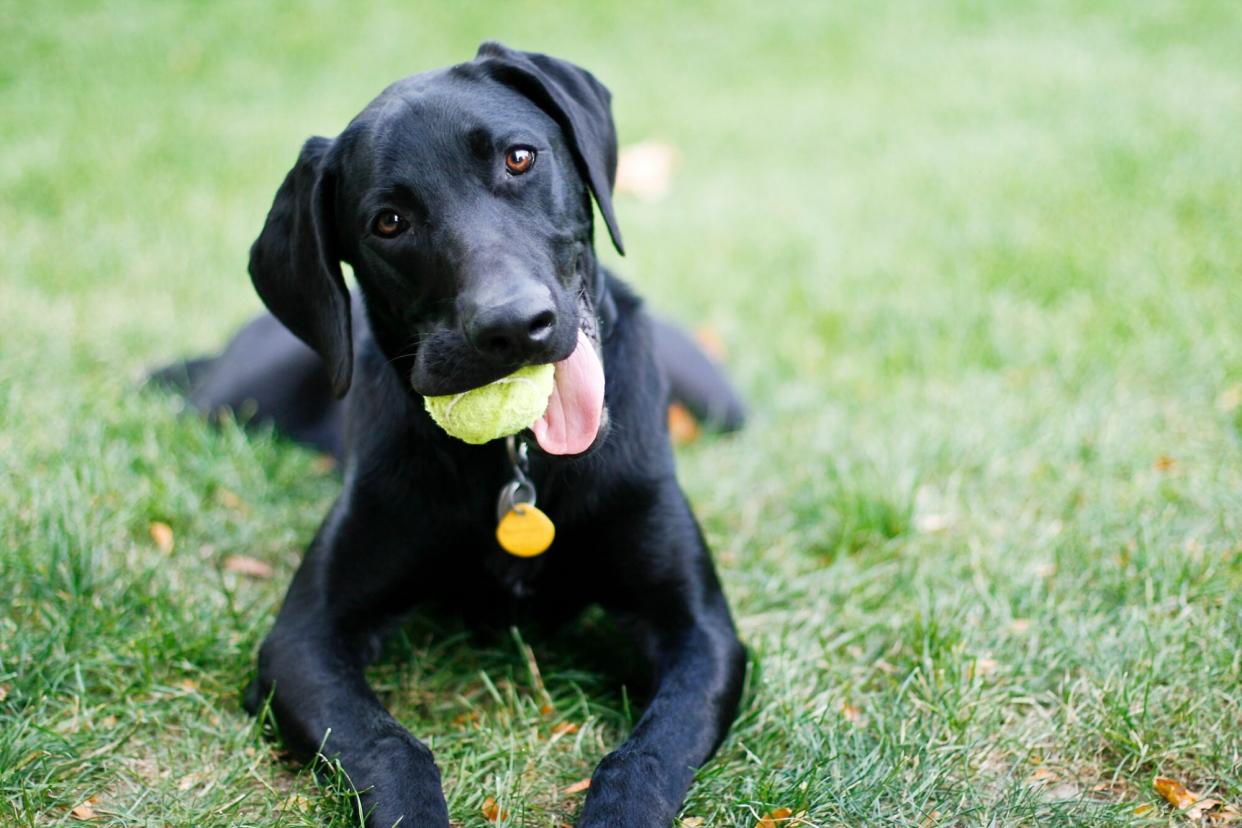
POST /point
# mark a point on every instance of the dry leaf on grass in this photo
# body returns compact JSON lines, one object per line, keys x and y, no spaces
{"x":250,"y":567}
{"x":850,"y":713}
{"x":1197,"y":811}
{"x":491,"y":811}
{"x":579,"y":786}
{"x":645,"y":169}
{"x":162,"y":534}
{"x":4,"y":692}
{"x":85,"y":811}
{"x":1227,"y":815}
{"x":1194,"y":806}
{"x":682,"y":427}
{"x":564,"y":727}
{"x":930,"y":820}
{"x":1042,"y":776}
{"x":774,"y":818}
{"x":692,"y":822}
{"x":1230,"y":399}
{"x":981,"y":667}
{"x":711,"y":342}
{"x":1165,"y":463}
{"x":229,"y":500}
{"x":1174,"y":792}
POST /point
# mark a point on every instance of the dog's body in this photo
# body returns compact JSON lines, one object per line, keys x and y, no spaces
{"x":462,"y":200}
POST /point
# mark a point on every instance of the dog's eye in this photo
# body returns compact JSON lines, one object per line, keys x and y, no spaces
{"x":389,"y":223}
{"x":519,"y":159}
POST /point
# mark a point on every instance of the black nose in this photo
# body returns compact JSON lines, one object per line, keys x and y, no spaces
{"x":515,"y":331}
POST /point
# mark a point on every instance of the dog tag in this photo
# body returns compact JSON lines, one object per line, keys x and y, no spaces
{"x":525,"y":531}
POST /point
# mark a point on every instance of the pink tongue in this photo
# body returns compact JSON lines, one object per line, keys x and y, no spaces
{"x":576,"y":406}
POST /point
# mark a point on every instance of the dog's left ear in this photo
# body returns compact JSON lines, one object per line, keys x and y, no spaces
{"x":576,"y":101}
{"x":295,"y":266}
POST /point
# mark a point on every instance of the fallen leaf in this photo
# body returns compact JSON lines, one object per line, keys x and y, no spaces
{"x":1042,"y":776}
{"x":1143,"y":809}
{"x":547,"y":710}
{"x":85,"y":811}
{"x":692,"y":822}
{"x":850,"y":713}
{"x":468,"y":717}
{"x":564,"y":727}
{"x":579,"y":786}
{"x":1174,"y":792}
{"x":982,"y":667}
{"x":162,"y":534}
{"x":1228,"y":815}
{"x":250,"y":567}
{"x":711,"y":343}
{"x":645,"y":169}
{"x":229,"y":500}
{"x":1196,"y":811}
{"x":1165,"y":463}
{"x":930,"y":820}
{"x":4,"y":692}
{"x":774,"y":818}
{"x":682,"y":427}
{"x":492,"y":812}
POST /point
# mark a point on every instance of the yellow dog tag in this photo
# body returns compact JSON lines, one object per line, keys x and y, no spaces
{"x":525,"y":531}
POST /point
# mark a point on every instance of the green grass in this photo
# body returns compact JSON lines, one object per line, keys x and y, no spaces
{"x":980,"y":272}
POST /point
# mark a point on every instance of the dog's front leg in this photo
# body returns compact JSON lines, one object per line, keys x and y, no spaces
{"x":664,"y":579}
{"x":353,"y":582}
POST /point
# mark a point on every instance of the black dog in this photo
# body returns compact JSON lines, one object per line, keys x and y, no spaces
{"x":462,"y":200}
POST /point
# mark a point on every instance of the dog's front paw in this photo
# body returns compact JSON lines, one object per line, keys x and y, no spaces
{"x":630,"y":789}
{"x":400,"y":784}
{"x":404,"y":814}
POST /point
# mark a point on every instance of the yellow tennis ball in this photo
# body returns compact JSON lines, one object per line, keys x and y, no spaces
{"x":497,"y":409}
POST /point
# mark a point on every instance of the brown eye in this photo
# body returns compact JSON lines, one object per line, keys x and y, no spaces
{"x":389,"y":223}
{"x":519,"y":159}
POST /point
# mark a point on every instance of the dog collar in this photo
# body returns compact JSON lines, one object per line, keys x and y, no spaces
{"x":522,"y":529}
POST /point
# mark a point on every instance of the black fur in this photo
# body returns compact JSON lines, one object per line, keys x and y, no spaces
{"x":415,"y":521}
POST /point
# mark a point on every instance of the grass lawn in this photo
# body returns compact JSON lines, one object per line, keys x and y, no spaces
{"x":979,"y":270}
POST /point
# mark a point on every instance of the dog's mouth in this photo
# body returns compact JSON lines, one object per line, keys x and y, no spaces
{"x":575,"y":413}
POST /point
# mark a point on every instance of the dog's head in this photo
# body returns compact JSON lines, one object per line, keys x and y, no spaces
{"x":462,"y":200}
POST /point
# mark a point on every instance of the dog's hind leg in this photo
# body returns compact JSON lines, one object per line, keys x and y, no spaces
{"x":695,"y":380}
{"x":265,"y":375}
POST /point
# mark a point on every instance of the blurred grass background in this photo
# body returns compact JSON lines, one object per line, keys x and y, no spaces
{"x":979,"y":271}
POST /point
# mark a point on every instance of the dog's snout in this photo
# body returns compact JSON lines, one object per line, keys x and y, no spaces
{"x":517,"y":330}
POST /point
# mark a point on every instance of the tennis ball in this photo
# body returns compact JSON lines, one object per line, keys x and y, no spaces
{"x":497,"y":409}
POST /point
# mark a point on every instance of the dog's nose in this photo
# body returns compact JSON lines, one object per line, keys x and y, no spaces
{"x":514,"y":331}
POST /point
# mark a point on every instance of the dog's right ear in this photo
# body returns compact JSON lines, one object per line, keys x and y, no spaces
{"x":295,"y":266}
